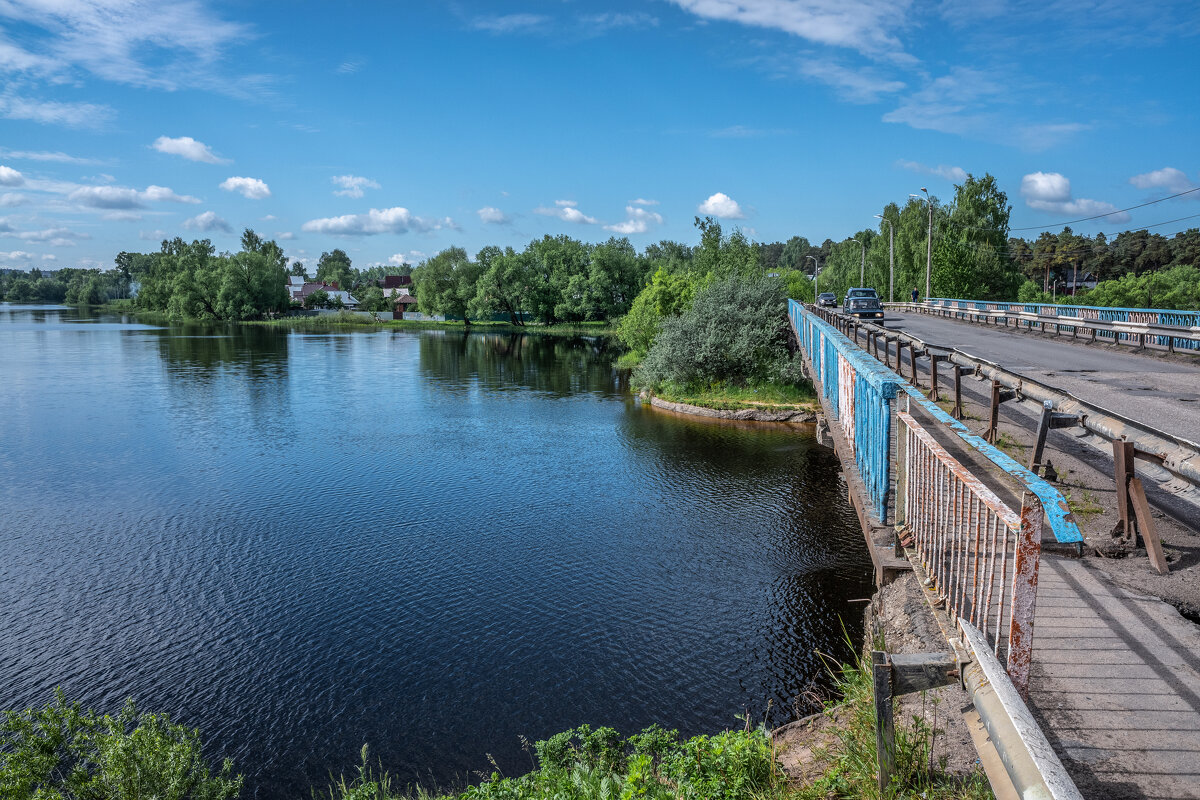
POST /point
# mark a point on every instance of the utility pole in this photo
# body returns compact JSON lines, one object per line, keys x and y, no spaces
{"x":928,"y":246}
{"x":891,"y":259}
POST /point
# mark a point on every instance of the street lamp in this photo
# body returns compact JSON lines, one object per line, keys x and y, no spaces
{"x":816,"y":272}
{"x":891,"y":258}
{"x":929,"y":241}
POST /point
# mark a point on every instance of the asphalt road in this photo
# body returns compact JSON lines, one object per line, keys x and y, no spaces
{"x":1159,"y":392}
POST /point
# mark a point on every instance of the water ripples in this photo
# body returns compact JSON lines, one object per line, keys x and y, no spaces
{"x":428,"y":542}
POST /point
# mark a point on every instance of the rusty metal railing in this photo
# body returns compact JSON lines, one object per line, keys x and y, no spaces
{"x":980,"y":555}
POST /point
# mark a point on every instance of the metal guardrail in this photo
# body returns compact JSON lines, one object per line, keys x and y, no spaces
{"x":1159,"y":328}
{"x":861,"y":392}
{"x":981,"y":556}
{"x":1057,"y":512}
{"x":1178,"y":456}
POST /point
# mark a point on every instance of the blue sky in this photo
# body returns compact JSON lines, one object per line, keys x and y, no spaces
{"x":393,"y":130}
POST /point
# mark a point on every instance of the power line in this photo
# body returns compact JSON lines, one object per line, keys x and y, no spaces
{"x":1109,"y":214}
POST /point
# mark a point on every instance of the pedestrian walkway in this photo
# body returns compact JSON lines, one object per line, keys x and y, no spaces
{"x":1116,"y":684}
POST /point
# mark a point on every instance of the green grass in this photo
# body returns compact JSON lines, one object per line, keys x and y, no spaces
{"x":1085,"y":508}
{"x":851,"y":758}
{"x":767,"y":397}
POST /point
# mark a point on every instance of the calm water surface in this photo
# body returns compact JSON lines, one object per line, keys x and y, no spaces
{"x":426,"y":541}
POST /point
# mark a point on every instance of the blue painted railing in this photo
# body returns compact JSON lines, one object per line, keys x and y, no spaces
{"x":1152,"y":316}
{"x":861,"y":392}
{"x":872,"y":387}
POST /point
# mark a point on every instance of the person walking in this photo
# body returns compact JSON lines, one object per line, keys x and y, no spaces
{"x":914,"y":294}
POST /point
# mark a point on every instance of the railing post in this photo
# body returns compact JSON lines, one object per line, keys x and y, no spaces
{"x":957,"y":413}
{"x":1024,"y":595}
{"x":885,"y":734}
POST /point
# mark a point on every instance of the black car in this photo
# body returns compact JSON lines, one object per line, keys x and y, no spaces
{"x":863,"y":303}
{"x":827,"y":300}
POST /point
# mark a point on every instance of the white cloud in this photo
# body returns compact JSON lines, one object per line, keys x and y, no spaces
{"x":118,"y":197}
{"x":208,"y":221}
{"x":49,"y":257}
{"x":953,"y":174}
{"x":1168,"y":178}
{"x":189,"y":148}
{"x":863,"y":85}
{"x":723,"y":206}
{"x":285,"y":236}
{"x":11,"y":199}
{"x":510,"y":23}
{"x":42,"y":235}
{"x":599,"y":23}
{"x":493,"y":216}
{"x":15,"y":255}
{"x":862,"y":25}
{"x":353,"y":185}
{"x":122,"y":216}
{"x":250,"y":188}
{"x":411,"y":257}
{"x":10,"y":177}
{"x":641,"y":201}
{"x":152,"y":236}
{"x":743,"y":132}
{"x":137,"y":43}
{"x":567,"y":211}
{"x":51,"y":112}
{"x":638,"y":220}
{"x":45,"y":155}
{"x":1051,"y":192}
{"x":1044,"y":136}
{"x":387,"y":220}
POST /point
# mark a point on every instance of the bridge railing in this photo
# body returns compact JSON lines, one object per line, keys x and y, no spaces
{"x":1168,"y":328}
{"x":861,"y":393}
{"x":1056,"y":509}
{"x":980,"y":555}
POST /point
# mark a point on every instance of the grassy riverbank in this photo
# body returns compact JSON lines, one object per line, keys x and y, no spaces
{"x":63,"y":750}
{"x":765,"y":397}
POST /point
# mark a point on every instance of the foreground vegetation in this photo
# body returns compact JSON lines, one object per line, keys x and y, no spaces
{"x":63,"y":752}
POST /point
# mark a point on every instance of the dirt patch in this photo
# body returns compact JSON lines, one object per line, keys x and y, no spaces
{"x":802,"y":747}
{"x":903,"y":617}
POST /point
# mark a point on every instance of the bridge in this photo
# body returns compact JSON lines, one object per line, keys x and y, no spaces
{"x":1086,"y":685}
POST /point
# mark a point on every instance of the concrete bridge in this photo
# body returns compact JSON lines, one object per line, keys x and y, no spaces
{"x":1108,"y":674}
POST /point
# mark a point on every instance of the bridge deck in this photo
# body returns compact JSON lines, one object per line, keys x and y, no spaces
{"x":1116,"y":682}
{"x":1137,"y":385}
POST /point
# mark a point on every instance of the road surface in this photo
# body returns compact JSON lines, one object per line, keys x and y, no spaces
{"x":1161,"y":392}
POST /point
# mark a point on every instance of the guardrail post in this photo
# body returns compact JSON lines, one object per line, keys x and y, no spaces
{"x":934,"y":359}
{"x":957,"y":412}
{"x":1123,"y":455}
{"x":998,"y":396}
{"x":885,"y":733}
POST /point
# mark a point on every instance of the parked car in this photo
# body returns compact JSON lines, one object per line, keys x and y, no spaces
{"x":827,"y":300}
{"x":863,"y":303}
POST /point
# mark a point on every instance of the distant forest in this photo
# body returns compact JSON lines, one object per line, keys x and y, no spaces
{"x":562,"y":279}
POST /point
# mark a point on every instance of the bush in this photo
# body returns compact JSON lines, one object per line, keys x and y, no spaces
{"x":61,"y":752}
{"x":734,"y":333}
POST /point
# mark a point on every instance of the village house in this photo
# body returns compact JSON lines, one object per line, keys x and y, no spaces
{"x":300,"y":288}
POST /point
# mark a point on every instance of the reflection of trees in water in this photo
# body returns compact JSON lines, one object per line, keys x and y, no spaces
{"x":558,"y":365}
{"x":222,"y":377}
{"x":201,"y":352}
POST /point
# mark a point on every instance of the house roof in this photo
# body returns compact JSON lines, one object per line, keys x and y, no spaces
{"x":396,"y":281}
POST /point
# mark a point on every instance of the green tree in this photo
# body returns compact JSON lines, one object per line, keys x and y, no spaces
{"x":446,"y":283}
{"x":317,"y":299}
{"x":335,"y":267}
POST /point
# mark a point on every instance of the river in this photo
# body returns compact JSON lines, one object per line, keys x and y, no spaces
{"x":426,"y":541}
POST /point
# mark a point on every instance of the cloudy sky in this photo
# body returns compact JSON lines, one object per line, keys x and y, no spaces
{"x":393,"y":130}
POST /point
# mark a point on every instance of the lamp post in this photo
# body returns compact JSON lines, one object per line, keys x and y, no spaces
{"x":862,"y":273}
{"x":816,"y":272}
{"x":891,"y":258}
{"x":928,"y":242}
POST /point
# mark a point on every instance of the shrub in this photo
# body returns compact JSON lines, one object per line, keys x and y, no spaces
{"x":61,"y":752}
{"x":734,"y":333}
